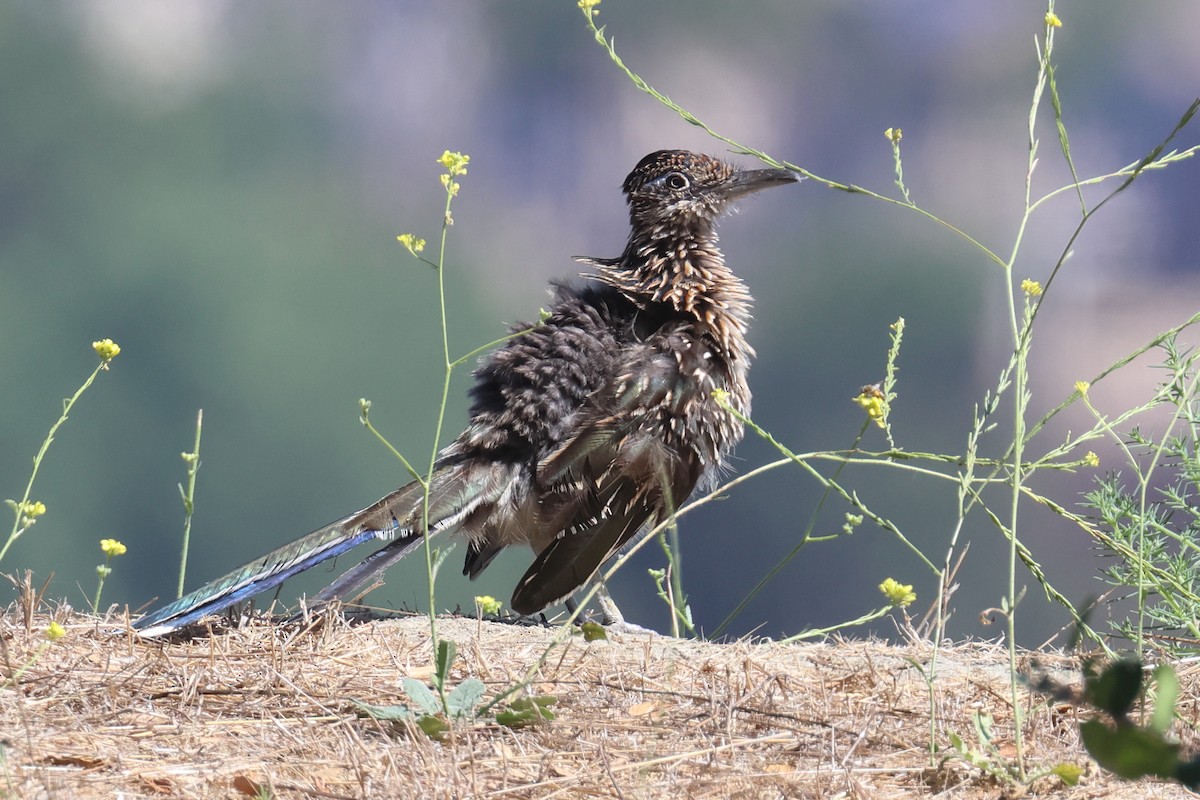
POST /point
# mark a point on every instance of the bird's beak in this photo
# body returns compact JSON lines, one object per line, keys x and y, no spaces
{"x":751,"y":180}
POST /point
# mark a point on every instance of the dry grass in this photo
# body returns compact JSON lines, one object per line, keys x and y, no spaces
{"x":101,"y":714}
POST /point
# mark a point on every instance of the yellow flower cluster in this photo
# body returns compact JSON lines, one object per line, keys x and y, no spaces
{"x":894,"y":134}
{"x":54,"y":631}
{"x":898,"y":594}
{"x":32,"y":508}
{"x":451,"y":185}
{"x":455,"y":163}
{"x":112,"y":547}
{"x":411,"y":243}
{"x":1052,"y":20}
{"x":107,"y":349}
{"x":872,"y":400}
{"x":1031,"y":287}
{"x":487,"y":604}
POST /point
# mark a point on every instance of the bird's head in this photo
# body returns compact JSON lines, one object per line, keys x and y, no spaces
{"x":672,"y":189}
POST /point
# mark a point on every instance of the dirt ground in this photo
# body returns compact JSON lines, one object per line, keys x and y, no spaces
{"x":265,"y":709}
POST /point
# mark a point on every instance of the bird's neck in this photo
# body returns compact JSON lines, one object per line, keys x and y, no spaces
{"x":686,"y":269}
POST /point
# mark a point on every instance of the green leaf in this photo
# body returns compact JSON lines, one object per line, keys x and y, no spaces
{"x":434,"y":727}
{"x":983,"y":727}
{"x":421,"y":695}
{"x":523,"y":719}
{"x":1129,"y":751}
{"x":1068,"y":773}
{"x":526,"y":711}
{"x":1167,"y":686}
{"x":462,"y":701}
{"x":542,"y":701}
{"x":593,"y":631}
{"x":516,"y":719}
{"x":446,"y":650}
{"x":440,"y":555}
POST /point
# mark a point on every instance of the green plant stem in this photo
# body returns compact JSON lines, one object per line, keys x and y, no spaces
{"x":805,"y":538}
{"x":485,"y":348}
{"x":849,"y":497}
{"x":687,"y":116}
{"x":1022,"y":331}
{"x":99,"y":588}
{"x":68,"y":404}
{"x":448,"y":371}
{"x":364,"y":418}
{"x":189,"y":502}
{"x":813,"y":633}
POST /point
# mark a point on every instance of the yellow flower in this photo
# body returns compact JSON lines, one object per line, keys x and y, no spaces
{"x":451,"y":186}
{"x":33,"y":508}
{"x":898,"y":594}
{"x":894,"y":134}
{"x":107,"y":349}
{"x":1082,"y":387}
{"x":1031,"y":287}
{"x":54,"y":631}
{"x":1052,"y":20}
{"x":873,"y":402}
{"x":487,"y":604}
{"x":411,"y":243}
{"x":455,"y":163}
{"x":1091,"y":459}
{"x":112,"y":547}
{"x":589,"y":6}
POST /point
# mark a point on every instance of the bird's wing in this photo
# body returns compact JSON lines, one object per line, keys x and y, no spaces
{"x":610,"y":479}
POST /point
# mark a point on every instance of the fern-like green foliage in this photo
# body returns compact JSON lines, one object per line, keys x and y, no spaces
{"x":1152,"y":514}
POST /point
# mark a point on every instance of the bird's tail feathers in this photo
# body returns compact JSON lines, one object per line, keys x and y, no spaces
{"x":257,"y":576}
{"x":455,"y":493}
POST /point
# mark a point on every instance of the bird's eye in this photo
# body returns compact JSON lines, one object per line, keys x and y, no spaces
{"x":676,"y":180}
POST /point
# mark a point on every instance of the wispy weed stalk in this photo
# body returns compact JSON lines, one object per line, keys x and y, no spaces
{"x":25,"y":510}
{"x":188,"y":495}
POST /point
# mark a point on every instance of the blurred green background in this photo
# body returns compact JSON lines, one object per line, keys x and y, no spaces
{"x":218,"y":186}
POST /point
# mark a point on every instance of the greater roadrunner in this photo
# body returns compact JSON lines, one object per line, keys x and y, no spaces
{"x":584,"y":430}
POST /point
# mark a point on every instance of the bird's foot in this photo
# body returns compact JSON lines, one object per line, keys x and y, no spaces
{"x":613,"y":620}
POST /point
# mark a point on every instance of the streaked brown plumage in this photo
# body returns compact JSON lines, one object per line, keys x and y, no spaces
{"x":584,"y":430}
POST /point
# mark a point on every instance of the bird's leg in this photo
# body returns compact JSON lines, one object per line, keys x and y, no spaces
{"x":611,"y":616}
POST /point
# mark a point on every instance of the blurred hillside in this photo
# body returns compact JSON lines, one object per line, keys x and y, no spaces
{"x":217,"y":186}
